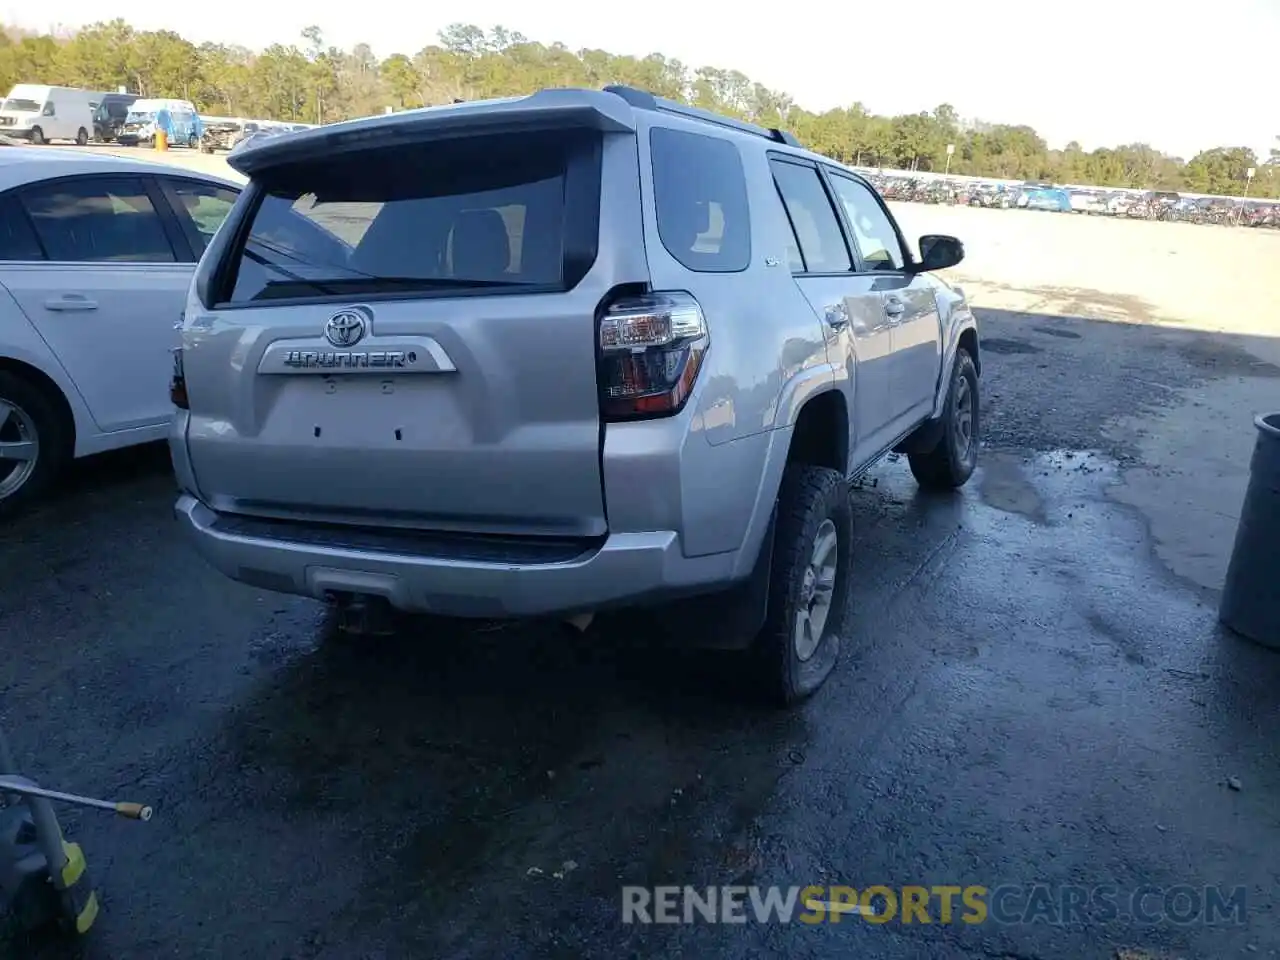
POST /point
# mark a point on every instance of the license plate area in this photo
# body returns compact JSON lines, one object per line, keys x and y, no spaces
{"x":365,"y":412}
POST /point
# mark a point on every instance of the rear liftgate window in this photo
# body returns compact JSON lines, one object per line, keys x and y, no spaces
{"x":496,"y":214}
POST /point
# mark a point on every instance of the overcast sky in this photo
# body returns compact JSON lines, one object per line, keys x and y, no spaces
{"x":1102,"y":72}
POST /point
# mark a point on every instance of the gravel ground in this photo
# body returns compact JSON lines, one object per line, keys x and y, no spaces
{"x":1034,"y":691}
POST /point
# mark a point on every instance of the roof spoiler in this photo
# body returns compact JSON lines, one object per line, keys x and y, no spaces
{"x":546,"y":109}
{"x":644,"y":100}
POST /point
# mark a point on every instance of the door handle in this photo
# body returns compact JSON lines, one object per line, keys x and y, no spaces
{"x":837,"y":316}
{"x":894,"y":308}
{"x":70,"y":304}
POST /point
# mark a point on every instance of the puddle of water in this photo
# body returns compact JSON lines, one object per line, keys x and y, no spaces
{"x":1002,"y":484}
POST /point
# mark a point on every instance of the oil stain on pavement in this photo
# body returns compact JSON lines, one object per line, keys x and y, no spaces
{"x":1026,"y":696}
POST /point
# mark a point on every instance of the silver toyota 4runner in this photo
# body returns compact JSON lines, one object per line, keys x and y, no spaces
{"x":562,"y":353}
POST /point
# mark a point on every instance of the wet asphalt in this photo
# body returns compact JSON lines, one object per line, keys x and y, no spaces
{"x":1026,"y":696}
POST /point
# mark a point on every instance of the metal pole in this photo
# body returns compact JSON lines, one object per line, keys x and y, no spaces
{"x":134,"y":811}
{"x":1248,"y":180}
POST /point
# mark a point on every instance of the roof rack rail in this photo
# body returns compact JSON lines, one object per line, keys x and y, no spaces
{"x":644,"y":100}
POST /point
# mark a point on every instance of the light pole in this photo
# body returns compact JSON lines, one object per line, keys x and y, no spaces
{"x":951,"y":149}
{"x":1248,"y":180}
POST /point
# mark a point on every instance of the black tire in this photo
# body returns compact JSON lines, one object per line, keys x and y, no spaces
{"x":52,"y":433}
{"x":193,"y":142}
{"x":808,"y":498}
{"x":82,"y":137}
{"x":37,"y":136}
{"x":952,"y":460}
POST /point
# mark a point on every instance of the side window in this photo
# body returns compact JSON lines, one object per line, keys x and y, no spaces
{"x":17,"y":238}
{"x":822,"y":244}
{"x":49,"y":110}
{"x":94,"y":219}
{"x":201,"y":208}
{"x":877,"y":240}
{"x":700,"y":198}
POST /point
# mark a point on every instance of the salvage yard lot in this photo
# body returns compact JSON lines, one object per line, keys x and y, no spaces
{"x":1035,"y":689}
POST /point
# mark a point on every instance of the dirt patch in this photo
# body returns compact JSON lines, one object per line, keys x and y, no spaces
{"x":1057,"y":332}
{"x":1216,"y":357}
{"x":1004,"y":346}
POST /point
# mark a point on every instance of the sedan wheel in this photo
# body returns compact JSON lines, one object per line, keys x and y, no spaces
{"x":19,"y":448}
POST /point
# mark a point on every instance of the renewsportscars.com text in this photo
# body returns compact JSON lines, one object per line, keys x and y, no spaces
{"x":971,"y":905}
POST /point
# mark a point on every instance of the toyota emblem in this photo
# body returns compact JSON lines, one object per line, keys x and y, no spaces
{"x":346,"y":328}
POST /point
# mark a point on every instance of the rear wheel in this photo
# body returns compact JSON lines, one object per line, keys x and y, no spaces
{"x":952,"y":460}
{"x":37,"y":136}
{"x":808,"y":589}
{"x":193,"y":142}
{"x":34,"y":442}
{"x":82,"y":137}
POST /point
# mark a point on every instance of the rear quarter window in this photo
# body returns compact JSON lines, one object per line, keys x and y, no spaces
{"x":700,"y":199}
{"x":514,"y":213}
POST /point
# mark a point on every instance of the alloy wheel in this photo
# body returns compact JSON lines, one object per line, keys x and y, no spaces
{"x":816,"y":591}
{"x":19,"y":448}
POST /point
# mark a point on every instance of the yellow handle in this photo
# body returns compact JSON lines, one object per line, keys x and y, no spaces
{"x":134,"y":811}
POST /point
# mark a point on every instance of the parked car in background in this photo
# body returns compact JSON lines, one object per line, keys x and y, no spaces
{"x":1118,"y":204}
{"x":110,"y":115}
{"x":96,"y":255}
{"x":1054,"y":199}
{"x":1086,"y":202}
{"x":220,"y":133}
{"x":177,"y":118}
{"x":39,"y":113}
{"x":637,"y":348}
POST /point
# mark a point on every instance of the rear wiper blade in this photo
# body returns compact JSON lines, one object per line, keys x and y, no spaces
{"x":293,"y":278}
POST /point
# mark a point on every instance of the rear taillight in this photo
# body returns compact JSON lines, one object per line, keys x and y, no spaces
{"x":178,"y":382}
{"x":651,"y":349}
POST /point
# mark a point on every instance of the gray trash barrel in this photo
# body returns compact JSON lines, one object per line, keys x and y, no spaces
{"x":1251,"y":596}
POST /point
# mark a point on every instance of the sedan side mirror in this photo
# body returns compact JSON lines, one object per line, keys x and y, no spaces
{"x":938,"y":251}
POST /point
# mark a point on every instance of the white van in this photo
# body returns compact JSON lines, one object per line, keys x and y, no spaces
{"x":38,"y":113}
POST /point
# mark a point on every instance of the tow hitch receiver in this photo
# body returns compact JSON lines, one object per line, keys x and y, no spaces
{"x":364,"y":615}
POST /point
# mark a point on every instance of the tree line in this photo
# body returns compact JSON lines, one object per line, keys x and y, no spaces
{"x":312,"y":82}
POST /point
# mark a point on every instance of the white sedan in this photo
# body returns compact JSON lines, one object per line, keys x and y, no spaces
{"x":96,"y":254}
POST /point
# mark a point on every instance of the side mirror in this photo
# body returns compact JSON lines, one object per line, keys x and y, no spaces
{"x":938,"y":251}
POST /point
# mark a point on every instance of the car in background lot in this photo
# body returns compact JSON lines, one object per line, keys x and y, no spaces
{"x":110,"y":115}
{"x":1054,"y":199}
{"x":40,"y":113}
{"x":1087,"y":201}
{"x":560,"y":353}
{"x":96,"y":254}
{"x":219,"y":133}
{"x":177,"y":118}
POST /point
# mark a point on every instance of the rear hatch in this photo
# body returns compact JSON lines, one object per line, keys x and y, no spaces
{"x":403,"y":334}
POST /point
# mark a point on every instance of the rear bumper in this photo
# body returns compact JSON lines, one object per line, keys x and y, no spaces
{"x":629,"y":568}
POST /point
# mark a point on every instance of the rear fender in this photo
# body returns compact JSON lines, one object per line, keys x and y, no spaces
{"x":730,"y":619}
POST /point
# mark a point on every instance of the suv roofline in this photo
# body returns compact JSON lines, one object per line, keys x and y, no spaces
{"x":644,"y":100}
{"x":612,"y":109}
{"x":556,"y":107}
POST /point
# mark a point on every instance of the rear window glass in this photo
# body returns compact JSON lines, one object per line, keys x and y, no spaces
{"x":700,"y":196}
{"x":492,"y":214}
